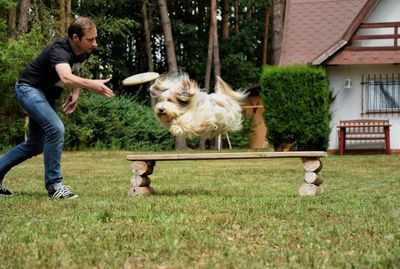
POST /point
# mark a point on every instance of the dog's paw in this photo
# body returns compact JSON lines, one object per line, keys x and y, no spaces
{"x":177,"y":130}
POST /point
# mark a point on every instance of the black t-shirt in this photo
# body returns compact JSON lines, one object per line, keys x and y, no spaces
{"x":41,"y":73}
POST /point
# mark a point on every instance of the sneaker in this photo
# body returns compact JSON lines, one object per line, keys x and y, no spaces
{"x":4,"y":191}
{"x":62,"y":192}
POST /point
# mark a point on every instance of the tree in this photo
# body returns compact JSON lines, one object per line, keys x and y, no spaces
{"x":147,"y":32}
{"x":65,"y":16}
{"x":278,"y":18}
{"x":180,"y":142}
{"x":215,"y":48}
{"x":169,"y":41}
{"x":236,"y":8}
{"x":266,"y":36}
{"x":12,"y":22}
{"x":225,"y":19}
{"x":214,"y":28}
{"x":23,"y":17}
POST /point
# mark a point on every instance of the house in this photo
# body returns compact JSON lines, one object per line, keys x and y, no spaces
{"x":358,"y":43}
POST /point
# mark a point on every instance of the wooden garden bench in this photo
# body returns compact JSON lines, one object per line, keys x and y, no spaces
{"x":143,"y":166}
{"x":363,"y":130}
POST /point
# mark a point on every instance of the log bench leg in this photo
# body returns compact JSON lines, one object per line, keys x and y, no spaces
{"x":140,"y":180}
{"x":312,"y":177}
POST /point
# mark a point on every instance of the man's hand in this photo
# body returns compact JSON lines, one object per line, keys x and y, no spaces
{"x":70,"y":104}
{"x":100,"y":88}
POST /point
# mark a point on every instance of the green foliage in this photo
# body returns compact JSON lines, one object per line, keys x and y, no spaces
{"x":119,"y":38}
{"x":8,"y":4}
{"x":297,"y":106}
{"x":118,"y":123}
{"x":242,"y":72}
{"x":11,"y":131}
{"x":14,"y":56}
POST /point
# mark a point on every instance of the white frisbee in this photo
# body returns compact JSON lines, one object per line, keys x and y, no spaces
{"x":140,"y":78}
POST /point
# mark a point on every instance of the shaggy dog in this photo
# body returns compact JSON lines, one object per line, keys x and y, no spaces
{"x":187,"y":111}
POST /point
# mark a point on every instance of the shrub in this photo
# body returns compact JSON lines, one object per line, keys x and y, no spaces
{"x":15,"y":54}
{"x":11,"y":132}
{"x":117,"y":123}
{"x":297,"y":106}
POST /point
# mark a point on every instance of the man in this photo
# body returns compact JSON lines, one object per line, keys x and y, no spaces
{"x":38,"y":88}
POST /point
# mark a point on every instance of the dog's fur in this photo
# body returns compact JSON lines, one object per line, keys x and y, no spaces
{"x":185,"y":110}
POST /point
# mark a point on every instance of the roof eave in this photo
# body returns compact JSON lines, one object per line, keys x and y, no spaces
{"x":329,"y":52}
{"x":348,"y":34}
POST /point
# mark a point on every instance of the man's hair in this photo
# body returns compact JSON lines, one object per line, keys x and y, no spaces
{"x":79,"y":26}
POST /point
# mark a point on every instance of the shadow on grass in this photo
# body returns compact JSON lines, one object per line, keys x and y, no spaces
{"x":190,"y":192}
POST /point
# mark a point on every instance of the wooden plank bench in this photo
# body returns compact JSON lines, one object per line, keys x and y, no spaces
{"x":143,"y":166}
{"x":363,"y":130}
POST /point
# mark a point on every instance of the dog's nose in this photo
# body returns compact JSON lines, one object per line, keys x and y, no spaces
{"x":161,"y":110}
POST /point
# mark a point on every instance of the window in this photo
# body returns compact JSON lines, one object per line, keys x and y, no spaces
{"x":381,"y":94}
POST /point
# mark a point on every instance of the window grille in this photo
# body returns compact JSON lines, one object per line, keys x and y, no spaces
{"x":381,"y":94}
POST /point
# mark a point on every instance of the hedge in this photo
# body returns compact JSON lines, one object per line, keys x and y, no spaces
{"x":297,"y":101}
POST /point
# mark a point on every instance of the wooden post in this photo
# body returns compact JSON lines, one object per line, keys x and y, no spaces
{"x":387,"y":140}
{"x":342,"y":141}
{"x":312,"y":178}
{"x":140,"y":180}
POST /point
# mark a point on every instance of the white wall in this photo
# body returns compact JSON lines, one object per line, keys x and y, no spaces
{"x":384,"y":11}
{"x":347,"y":105}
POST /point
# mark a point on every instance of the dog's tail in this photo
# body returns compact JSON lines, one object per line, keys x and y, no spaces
{"x":223,"y":88}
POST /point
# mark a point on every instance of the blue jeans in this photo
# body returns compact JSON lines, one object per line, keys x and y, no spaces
{"x":46,"y":134}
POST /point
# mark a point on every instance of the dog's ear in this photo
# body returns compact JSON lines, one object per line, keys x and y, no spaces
{"x":220,"y":85}
{"x":155,"y":91}
{"x":157,"y":87}
{"x":187,"y":91}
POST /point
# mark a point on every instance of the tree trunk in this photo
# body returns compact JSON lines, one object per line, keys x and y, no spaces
{"x":23,"y":16}
{"x":216,"y":60}
{"x":236,"y":8}
{"x":217,"y":65}
{"x":277,"y":21}
{"x":12,"y":22}
{"x":209,"y":56}
{"x":62,"y":20}
{"x":202,"y":143}
{"x":266,"y":35}
{"x":249,"y":10}
{"x":147,"y":31}
{"x":225,"y":19}
{"x":180,"y":142}
{"x":169,"y":41}
{"x":68,"y":13}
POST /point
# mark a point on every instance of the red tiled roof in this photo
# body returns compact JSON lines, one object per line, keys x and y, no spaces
{"x":316,"y":29}
{"x":365,"y":57}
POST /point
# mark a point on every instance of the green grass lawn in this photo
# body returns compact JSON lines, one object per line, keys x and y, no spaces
{"x":206,"y":214}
